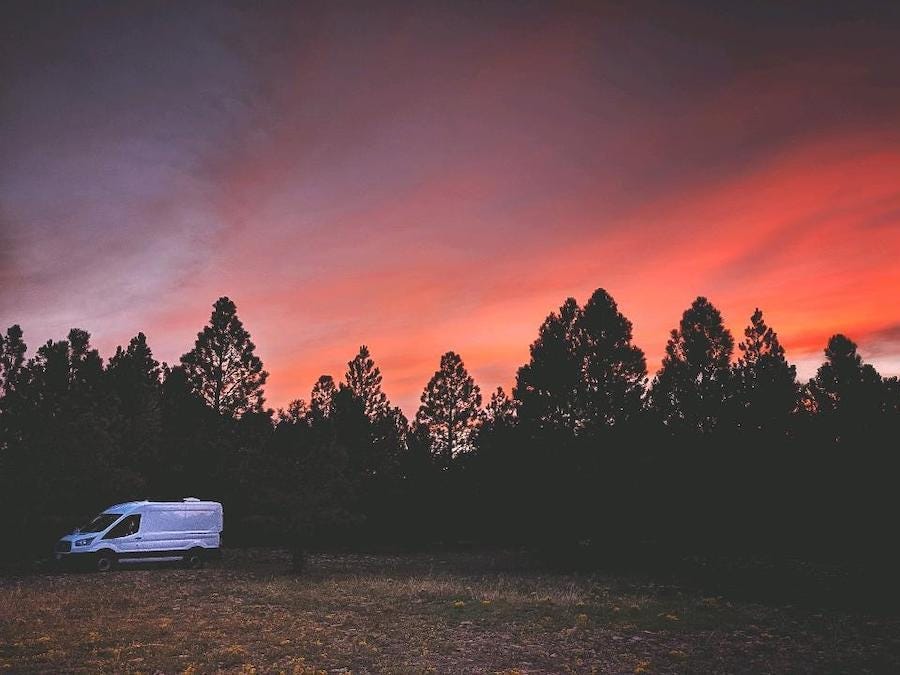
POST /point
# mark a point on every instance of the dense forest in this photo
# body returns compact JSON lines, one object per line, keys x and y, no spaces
{"x":722,"y":450}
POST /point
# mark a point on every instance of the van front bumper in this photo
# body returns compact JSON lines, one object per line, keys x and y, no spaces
{"x":65,"y":552}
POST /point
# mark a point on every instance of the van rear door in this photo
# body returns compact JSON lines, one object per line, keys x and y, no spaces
{"x":204,"y":522}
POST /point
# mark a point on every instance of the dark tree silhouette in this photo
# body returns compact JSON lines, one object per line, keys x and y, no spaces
{"x":308,"y":493}
{"x":222,"y":367}
{"x":192,"y":443}
{"x":15,"y":455}
{"x":852,"y":472}
{"x":448,"y":415}
{"x":85,"y":364}
{"x":297,"y":412}
{"x":892,"y":396}
{"x":580,"y":392}
{"x":12,"y":374}
{"x":547,"y":385}
{"x":690,"y":390}
{"x":846,"y":393}
{"x":364,"y":380}
{"x":496,"y":476}
{"x":68,"y":435}
{"x":765,"y":388}
{"x":321,"y":400}
{"x":134,"y":368}
{"x":614,"y":371}
{"x":585,"y":375}
{"x":392,"y":432}
{"x":133,"y":376}
{"x":352,"y":429}
{"x":785,"y":478}
{"x":500,"y":410}
{"x":12,"y":359}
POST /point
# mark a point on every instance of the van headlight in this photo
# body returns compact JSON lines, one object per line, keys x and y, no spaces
{"x":85,"y":541}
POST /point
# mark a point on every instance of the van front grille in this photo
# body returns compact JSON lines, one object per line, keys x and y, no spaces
{"x":63,"y":546}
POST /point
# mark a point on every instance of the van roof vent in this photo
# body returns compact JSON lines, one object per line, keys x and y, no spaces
{"x":190,"y":499}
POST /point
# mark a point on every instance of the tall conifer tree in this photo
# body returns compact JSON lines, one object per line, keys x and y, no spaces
{"x":449,"y":413}
{"x":321,"y":399}
{"x":134,"y":382}
{"x":765,"y":389}
{"x":364,"y":380}
{"x":846,"y":394}
{"x":547,"y":386}
{"x":584,"y":374}
{"x":613,"y":370}
{"x":689,"y":392}
{"x":223,"y":367}
{"x":12,"y":358}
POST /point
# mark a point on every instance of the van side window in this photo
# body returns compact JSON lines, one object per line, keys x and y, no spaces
{"x":129,"y":525}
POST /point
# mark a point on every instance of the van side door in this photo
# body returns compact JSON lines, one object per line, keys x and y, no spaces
{"x":163,"y":529}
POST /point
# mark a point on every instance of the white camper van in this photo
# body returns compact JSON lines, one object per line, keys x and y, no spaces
{"x":189,"y":530}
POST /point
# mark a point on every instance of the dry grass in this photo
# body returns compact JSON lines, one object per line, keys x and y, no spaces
{"x":423,"y":613}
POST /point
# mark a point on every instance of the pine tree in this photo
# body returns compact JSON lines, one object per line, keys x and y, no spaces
{"x":364,"y":380}
{"x":222,"y":367}
{"x":68,"y":439}
{"x":846,"y":394}
{"x":133,"y":376}
{"x":12,"y":374}
{"x":614,"y":371}
{"x":134,"y":373}
{"x":765,"y":389}
{"x":388,"y":437}
{"x":86,"y":366}
{"x":397,"y":428}
{"x":12,"y":359}
{"x":690,"y":390}
{"x":547,"y":386}
{"x":892,"y":398}
{"x":191,"y":446}
{"x":584,"y":374}
{"x":321,"y":400}
{"x":12,"y":421}
{"x":448,"y":415}
{"x":297,"y":412}
{"x":500,"y":410}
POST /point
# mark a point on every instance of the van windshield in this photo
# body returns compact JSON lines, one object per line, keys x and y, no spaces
{"x":101,"y":522}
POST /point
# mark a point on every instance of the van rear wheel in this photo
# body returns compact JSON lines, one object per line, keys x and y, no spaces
{"x":194,"y":559}
{"x":105,"y":561}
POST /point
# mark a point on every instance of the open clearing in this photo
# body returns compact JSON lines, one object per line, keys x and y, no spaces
{"x":449,"y":612}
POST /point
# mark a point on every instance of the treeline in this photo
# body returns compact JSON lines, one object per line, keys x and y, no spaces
{"x":722,"y":450}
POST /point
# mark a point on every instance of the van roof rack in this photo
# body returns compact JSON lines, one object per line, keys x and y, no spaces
{"x":190,"y":499}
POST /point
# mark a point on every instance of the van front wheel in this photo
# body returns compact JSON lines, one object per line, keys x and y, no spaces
{"x":105,"y":561}
{"x":194,"y":558}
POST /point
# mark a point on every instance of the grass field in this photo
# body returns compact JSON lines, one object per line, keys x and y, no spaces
{"x":453,"y":612}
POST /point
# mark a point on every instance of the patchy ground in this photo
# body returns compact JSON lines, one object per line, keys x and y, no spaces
{"x":453,"y":612}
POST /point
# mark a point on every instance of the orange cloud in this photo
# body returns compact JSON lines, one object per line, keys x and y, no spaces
{"x":444,"y":178}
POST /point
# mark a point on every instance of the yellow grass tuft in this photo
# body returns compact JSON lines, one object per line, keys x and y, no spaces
{"x":643,"y":666}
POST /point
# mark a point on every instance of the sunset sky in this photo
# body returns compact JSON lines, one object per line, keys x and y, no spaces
{"x":422,"y":177}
